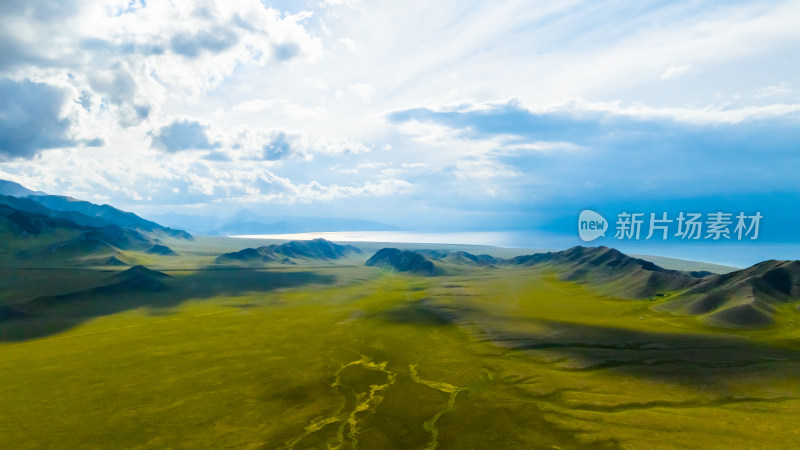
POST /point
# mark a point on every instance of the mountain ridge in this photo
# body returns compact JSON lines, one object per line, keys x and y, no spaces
{"x":314,"y":249}
{"x":32,"y":230}
{"x":406,"y":261}
{"x":78,"y":211}
{"x":749,"y":298}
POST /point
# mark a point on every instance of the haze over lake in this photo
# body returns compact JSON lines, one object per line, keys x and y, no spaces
{"x":726,"y":253}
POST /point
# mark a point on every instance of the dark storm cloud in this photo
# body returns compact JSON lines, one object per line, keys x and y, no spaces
{"x":629,"y":159}
{"x":30,"y":118}
{"x":183,"y":134}
{"x":119,"y":88}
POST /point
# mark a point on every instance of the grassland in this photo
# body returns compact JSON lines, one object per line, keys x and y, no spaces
{"x":346,"y":356}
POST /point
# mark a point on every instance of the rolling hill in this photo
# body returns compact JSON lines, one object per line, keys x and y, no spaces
{"x":316,"y":250}
{"x":460,"y":257}
{"x":405,"y":261}
{"x":612,"y":272}
{"x":748,"y":298}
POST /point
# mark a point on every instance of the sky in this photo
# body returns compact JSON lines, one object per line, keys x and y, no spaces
{"x":462,"y":115}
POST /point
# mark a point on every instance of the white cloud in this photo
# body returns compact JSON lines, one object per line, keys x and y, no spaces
{"x":410,"y":169}
{"x":350,"y":44}
{"x":364,"y":91}
{"x":709,"y":114}
{"x":280,"y":91}
{"x":676,"y":71}
{"x":483,"y":169}
{"x":183,"y":180}
{"x":781,"y":89}
{"x":281,"y":106}
{"x":316,"y":83}
{"x":276,"y":144}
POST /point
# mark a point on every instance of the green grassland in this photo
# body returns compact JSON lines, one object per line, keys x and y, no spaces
{"x":324,"y":355}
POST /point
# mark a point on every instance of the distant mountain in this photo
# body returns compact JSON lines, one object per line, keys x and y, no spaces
{"x":748,"y":298}
{"x":16,"y":189}
{"x":98,"y":240}
{"x":301,"y":225}
{"x":26,"y":236}
{"x":404,"y":261}
{"x":108,"y":213}
{"x":24,"y":223}
{"x":78,"y":211}
{"x":316,"y":249}
{"x":32,"y":206}
{"x":248,"y":223}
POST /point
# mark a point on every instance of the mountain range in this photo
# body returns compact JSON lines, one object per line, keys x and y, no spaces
{"x":750,"y":298}
{"x":316,"y":249}
{"x":38,"y":226}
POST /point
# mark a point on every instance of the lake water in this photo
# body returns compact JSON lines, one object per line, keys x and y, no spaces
{"x":491,"y":238}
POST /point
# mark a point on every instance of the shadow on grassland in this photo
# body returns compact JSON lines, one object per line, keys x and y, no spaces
{"x":140,"y":287}
{"x":692,"y":357}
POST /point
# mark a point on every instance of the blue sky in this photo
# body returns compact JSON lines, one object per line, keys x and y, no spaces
{"x":424,"y":115}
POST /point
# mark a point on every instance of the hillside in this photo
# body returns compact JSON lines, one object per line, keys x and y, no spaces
{"x":748,"y":298}
{"x":107,"y":213}
{"x":31,"y":224}
{"x":611,"y":272}
{"x":460,"y":257}
{"x":29,"y":237}
{"x":404,"y":261}
{"x":316,"y":250}
{"x":78,"y":211}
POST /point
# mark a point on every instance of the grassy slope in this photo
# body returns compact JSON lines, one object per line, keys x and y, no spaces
{"x":489,"y":358}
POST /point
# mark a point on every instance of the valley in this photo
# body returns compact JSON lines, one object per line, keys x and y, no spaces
{"x":149,"y":338}
{"x":336,"y":354}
